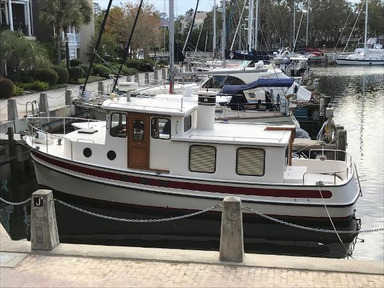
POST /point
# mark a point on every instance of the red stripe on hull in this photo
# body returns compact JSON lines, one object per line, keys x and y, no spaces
{"x":206,"y":187}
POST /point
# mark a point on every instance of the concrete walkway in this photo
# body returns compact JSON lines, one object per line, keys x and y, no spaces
{"x":56,"y":98}
{"x":102,"y":266}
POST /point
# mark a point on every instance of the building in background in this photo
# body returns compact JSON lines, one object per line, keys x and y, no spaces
{"x":16,"y":15}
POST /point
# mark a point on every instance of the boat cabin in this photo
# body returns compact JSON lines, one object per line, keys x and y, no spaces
{"x":169,"y":136}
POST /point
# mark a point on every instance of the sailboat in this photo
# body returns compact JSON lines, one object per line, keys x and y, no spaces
{"x":368,"y":56}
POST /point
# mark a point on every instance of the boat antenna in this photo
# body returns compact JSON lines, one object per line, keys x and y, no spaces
{"x":127,"y":46}
{"x":97,"y":45}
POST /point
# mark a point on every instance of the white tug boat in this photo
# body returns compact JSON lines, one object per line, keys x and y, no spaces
{"x":171,"y":154}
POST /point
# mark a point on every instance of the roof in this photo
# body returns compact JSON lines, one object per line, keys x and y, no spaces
{"x":163,"y":104}
{"x":237,"y":133}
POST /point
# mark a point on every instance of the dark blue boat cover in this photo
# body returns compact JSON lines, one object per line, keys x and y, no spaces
{"x":238,"y":89}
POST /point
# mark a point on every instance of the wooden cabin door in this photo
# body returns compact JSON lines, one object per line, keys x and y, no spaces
{"x":138,"y":141}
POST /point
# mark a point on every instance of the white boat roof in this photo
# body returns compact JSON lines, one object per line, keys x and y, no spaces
{"x":172,"y":106}
{"x":241,"y":133}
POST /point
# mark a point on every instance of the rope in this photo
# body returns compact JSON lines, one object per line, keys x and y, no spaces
{"x":14,"y":157}
{"x":4,"y":106}
{"x":15,"y":203}
{"x":329,"y":216}
{"x":136,"y":220}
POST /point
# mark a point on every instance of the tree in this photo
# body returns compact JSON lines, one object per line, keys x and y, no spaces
{"x":63,"y":14}
{"x":20,"y":53}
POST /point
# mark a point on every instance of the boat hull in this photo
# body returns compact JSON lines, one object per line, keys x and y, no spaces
{"x":59,"y":175}
{"x":359,"y":62}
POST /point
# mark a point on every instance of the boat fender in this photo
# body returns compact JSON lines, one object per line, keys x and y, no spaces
{"x":327,"y":132}
{"x":315,"y":97}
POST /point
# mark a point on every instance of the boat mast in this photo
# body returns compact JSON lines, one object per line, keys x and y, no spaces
{"x":256,"y":22}
{"x":307,"y":32}
{"x":171,"y":47}
{"x":366,"y":27}
{"x":214,"y":29}
{"x":250,"y":24}
{"x":294,"y":25}
{"x":224,"y":33}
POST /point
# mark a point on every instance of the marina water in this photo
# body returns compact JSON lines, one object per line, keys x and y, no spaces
{"x":359,"y":106}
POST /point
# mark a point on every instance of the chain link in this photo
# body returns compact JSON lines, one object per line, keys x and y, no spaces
{"x":311,"y":228}
{"x":137,"y":220}
{"x":15,"y":203}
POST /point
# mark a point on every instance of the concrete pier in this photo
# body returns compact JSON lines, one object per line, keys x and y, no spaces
{"x":71,"y":265}
{"x":44,"y":233}
{"x":231,"y":237}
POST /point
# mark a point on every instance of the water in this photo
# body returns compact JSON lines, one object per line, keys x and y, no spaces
{"x":358,"y":103}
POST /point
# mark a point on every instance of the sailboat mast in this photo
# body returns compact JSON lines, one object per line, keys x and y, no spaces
{"x":214,"y":29}
{"x":366,"y":27}
{"x":224,"y":35}
{"x":171,"y":47}
{"x":307,"y":32}
{"x":250,"y":24}
{"x":256,"y":22}
{"x":293,"y":26}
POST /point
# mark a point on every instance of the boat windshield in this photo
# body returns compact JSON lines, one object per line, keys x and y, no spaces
{"x":219,"y":81}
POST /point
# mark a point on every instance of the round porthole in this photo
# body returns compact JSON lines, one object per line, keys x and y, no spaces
{"x":111,"y":155}
{"x":87,"y":152}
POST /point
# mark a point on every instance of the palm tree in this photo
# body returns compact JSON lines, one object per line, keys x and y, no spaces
{"x":63,"y":14}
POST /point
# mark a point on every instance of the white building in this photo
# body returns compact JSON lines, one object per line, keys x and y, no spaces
{"x":199,"y":20}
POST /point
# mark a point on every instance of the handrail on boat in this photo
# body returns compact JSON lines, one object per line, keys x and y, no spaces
{"x":348,"y":161}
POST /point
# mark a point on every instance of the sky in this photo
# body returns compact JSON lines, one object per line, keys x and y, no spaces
{"x":181,"y":6}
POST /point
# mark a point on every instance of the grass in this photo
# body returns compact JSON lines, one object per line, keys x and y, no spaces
{"x":90,"y":80}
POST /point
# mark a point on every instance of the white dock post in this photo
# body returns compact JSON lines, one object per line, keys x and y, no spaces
{"x":146,"y":78}
{"x":100,"y":87}
{"x":44,"y":232}
{"x":155,"y":77}
{"x":13,"y":114}
{"x":231,"y":238}
{"x":163,"y":74}
{"x":43,"y":103}
{"x":137,"y":80}
{"x":68,"y":95}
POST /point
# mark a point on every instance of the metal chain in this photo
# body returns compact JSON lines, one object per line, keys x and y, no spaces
{"x":137,"y":220}
{"x":16,"y":203}
{"x":311,"y":228}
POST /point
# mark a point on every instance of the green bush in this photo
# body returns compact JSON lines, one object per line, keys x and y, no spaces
{"x":125,"y":70}
{"x":34,"y":86}
{"x":63,"y":74}
{"x":75,"y":62}
{"x":101,"y":70}
{"x":75,"y":73}
{"x":17,"y":91}
{"x":85,"y":67}
{"x":6,"y":88}
{"x":149,"y":61}
{"x":46,"y":75}
{"x":133,"y":64}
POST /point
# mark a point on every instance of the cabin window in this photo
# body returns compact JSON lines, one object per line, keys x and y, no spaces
{"x":220,"y":81}
{"x":202,"y":159}
{"x":187,"y":123}
{"x":118,"y":125}
{"x":161,"y":128}
{"x":138,"y":130}
{"x":250,"y":161}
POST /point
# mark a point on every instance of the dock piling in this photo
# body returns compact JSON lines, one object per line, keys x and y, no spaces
{"x":68,"y":95}
{"x":100,"y":88}
{"x":231,"y":238}
{"x":13,"y":114}
{"x":44,"y":232}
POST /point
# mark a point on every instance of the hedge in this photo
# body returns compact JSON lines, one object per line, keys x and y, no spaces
{"x":101,"y":70}
{"x":75,"y":73}
{"x":62,"y":73}
{"x":34,"y":86}
{"x":46,"y":75}
{"x":6,"y":88}
{"x":75,"y":62}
